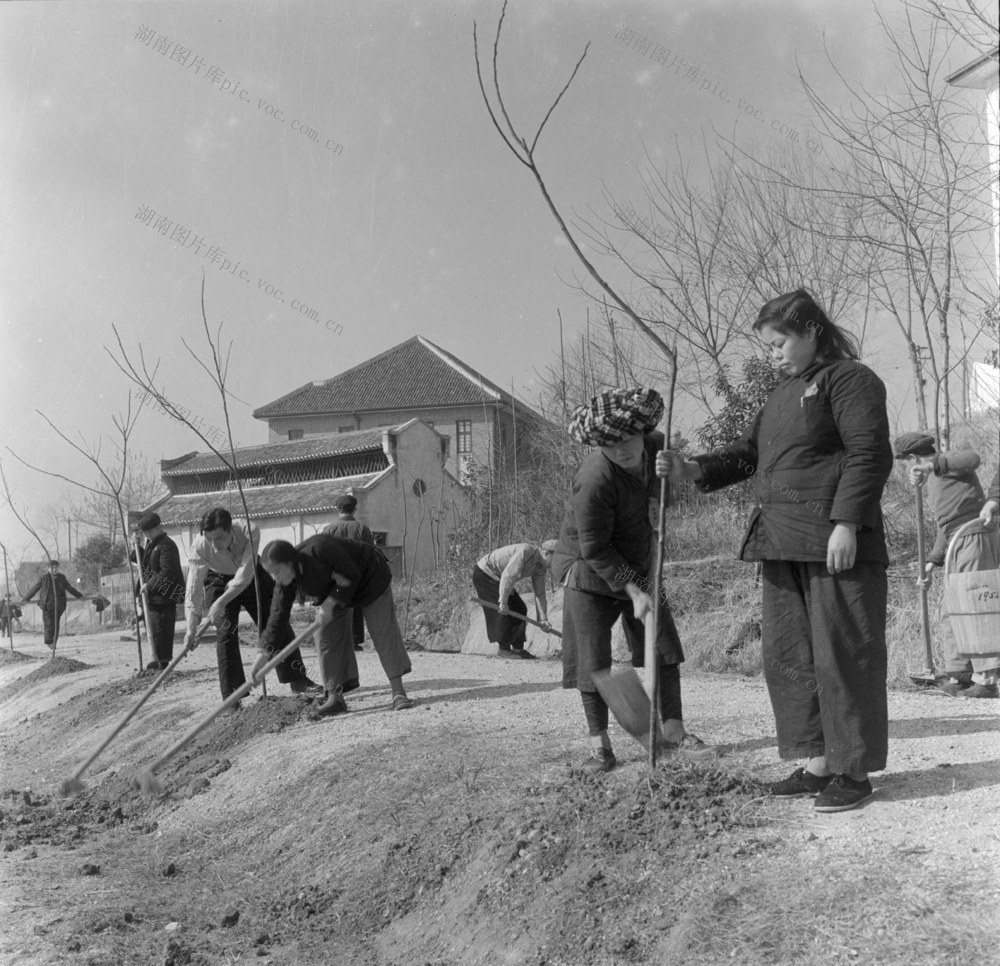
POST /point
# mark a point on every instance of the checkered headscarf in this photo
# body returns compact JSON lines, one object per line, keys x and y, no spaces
{"x":615,"y":415}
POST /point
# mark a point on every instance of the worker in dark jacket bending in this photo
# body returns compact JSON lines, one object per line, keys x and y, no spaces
{"x":820,"y":456}
{"x":338,"y":574}
{"x":52,"y":600}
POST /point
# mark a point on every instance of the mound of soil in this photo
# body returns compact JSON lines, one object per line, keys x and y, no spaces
{"x":108,"y":699}
{"x":15,"y":657}
{"x":188,"y":774}
{"x":50,"y":669}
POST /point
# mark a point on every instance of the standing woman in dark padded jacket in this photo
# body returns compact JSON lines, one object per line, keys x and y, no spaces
{"x":820,"y":455}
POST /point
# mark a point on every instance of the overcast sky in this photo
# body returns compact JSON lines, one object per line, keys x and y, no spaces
{"x":335,"y":155}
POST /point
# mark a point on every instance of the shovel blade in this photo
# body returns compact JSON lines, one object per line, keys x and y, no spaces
{"x":626,"y":697}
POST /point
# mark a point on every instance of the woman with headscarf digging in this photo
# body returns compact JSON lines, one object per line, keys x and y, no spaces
{"x":604,"y":559}
{"x":819,"y":454}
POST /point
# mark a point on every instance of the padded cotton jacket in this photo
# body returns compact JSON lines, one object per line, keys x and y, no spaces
{"x":819,"y":453}
{"x":606,"y":536}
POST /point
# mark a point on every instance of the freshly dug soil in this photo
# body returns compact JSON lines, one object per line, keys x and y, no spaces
{"x":463,"y":832}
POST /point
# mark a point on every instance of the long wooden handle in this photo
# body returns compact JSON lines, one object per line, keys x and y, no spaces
{"x":145,"y":600}
{"x":240,"y":692}
{"x":651,"y":656}
{"x":163,"y":675}
{"x":520,"y":617}
{"x":922,"y":563}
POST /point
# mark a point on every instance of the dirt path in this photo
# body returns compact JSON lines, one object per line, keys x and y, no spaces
{"x":457,"y":832}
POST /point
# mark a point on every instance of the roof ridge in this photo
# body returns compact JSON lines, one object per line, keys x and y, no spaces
{"x":462,"y":368}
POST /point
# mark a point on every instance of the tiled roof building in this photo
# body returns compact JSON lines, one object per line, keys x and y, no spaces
{"x":415,"y":379}
{"x":396,"y":473}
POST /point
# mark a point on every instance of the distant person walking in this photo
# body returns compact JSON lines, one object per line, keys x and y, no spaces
{"x":9,"y":613}
{"x":52,"y":590}
{"x":820,"y":456}
{"x":160,"y":564}
{"x":349,"y":527}
{"x":956,"y":498}
{"x":495,"y":577}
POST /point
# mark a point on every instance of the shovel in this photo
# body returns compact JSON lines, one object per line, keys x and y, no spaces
{"x":146,"y":780}
{"x":74,"y":783}
{"x":926,"y":678}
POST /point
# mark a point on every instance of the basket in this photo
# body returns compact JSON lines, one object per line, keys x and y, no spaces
{"x":972,"y":598}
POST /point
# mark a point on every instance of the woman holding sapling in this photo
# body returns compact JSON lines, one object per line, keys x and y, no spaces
{"x":820,"y":455}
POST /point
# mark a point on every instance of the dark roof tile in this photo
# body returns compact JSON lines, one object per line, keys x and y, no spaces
{"x":413,"y":375}
{"x":293,"y":451}
{"x":262,"y":501}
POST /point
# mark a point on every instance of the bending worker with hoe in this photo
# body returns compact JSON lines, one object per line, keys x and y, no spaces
{"x":339,"y":574}
{"x":495,"y":577}
{"x":221,"y":565}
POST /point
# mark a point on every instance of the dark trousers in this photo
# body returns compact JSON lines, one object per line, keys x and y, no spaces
{"x":587,"y":623}
{"x":160,"y":622}
{"x":358,"y":625}
{"x":227,"y":648}
{"x":501,"y":629}
{"x":50,"y":624}
{"x":823,"y":646}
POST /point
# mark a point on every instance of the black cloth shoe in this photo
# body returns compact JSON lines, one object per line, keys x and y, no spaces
{"x":952,"y":687}
{"x":233,"y":708}
{"x":799,"y":782}
{"x":843,"y":794}
{"x":523,"y":653}
{"x":980,"y":691}
{"x":508,"y":653}
{"x":600,"y":760}
{"x":334,"y":704}
{"x":305,"y":686}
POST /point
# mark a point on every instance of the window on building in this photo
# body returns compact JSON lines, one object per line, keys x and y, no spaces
{"x":346,"y":429}
{"x":295,"y":434}
{"x":463,"y":437}
{"x":380,"y":537}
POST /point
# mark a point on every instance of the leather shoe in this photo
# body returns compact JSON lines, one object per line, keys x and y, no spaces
{"x":305,"y":686}
{"x":334,"y":704}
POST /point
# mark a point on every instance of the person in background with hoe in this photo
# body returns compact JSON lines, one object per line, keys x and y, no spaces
{"x":820,"y":456}
{"x":52,"y":600}
{"x":160,"y":564}
{"x":495,"y":577}
{"x":604,"y":559}
{"x":221,"y":565}
{"x":956,"y":498}
{"x":350,"y":528}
